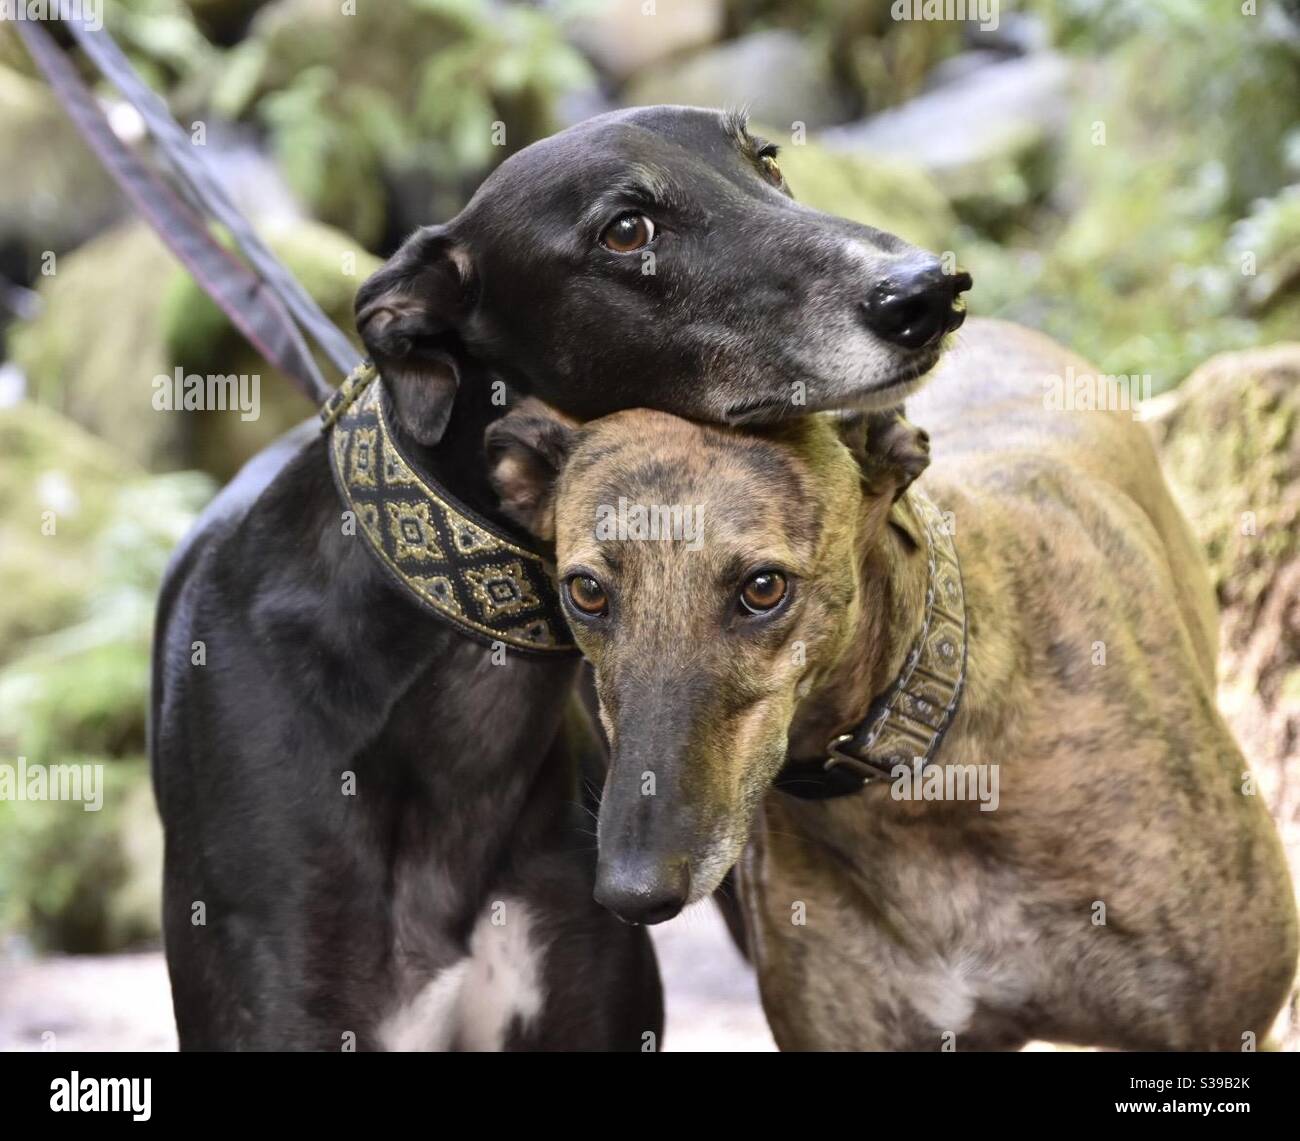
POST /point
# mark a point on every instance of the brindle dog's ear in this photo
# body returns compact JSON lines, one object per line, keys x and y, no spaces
{"x":891,"y":453}
{"x":408,"y":312}
{"x":526,"y":451}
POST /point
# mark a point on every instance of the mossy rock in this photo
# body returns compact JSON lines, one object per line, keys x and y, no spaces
{"x":1231,"y":442}
{"x":79,"y":881}
{"x":780,"y":76}
{"x":76,"y":608}
{"x":95,"y":347}
{"x":120,"y":311}
{"x":889,"y":194}
{"x":54,"y":193}
{"x":75,"y":666}
{"x":988,"y":136}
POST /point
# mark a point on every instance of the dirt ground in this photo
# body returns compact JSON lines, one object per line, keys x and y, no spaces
{"x":121,"y":1002}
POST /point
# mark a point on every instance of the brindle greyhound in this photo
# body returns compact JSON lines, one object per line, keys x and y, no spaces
{"x":1128,"y":889}
{"x":448,"y":902}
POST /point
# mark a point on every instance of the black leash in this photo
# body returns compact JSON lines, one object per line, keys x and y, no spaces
{"x":190,"y":164}
{"x":259,"y":303}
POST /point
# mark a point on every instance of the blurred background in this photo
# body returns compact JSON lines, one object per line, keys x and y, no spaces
{"x":1123,"y":174}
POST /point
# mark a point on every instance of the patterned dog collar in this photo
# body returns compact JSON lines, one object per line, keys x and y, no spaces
{"x":453,"y":562}
{"x":906,"y":724}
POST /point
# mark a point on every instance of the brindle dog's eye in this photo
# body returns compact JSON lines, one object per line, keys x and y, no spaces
{"x":588,"y":595}
{"x":628,"y":233}
{"x":763,"y":592}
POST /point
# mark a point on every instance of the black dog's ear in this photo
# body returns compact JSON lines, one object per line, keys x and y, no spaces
{"x":526,"y":451}
{"x":891,"y":452}
{"x":408,"y":312}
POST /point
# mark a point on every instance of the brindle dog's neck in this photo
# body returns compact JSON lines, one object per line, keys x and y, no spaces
{"x":893,"y":574}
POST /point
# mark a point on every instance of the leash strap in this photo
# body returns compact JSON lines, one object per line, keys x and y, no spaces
{"x":192,"y":167}
{"x":252,"y":302}
{"x":456,"y":564}
{"x":906,"y":724}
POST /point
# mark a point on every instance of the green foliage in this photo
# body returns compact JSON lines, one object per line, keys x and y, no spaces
{"x":1186,"y":121}
{"x":49,"y":465}
{"x":1270,"y":237}
{"x":330,"y":140}
{"x":84,"y":688}
{"x":161,"y":38}
{"x":77,"y":880}
{"x":355,"y":103}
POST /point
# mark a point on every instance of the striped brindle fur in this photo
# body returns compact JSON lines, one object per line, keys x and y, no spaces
{"x":1128,"y":890}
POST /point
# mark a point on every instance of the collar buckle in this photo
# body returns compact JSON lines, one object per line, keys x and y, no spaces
{"x":836,"y":758}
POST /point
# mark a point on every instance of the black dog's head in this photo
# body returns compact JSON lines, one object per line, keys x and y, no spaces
{"x":623,"y":261}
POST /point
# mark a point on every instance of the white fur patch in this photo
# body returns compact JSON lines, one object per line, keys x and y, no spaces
{"x":428,"y":1021}
{"x":473,"y":1003}
{"x":946,"y":996}
{"x":504,"y":980}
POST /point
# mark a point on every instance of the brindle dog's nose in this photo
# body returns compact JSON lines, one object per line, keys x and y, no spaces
{"x":643,"y":891}
{"x":915,"y":304}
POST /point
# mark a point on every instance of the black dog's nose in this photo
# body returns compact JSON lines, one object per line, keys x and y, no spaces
{"x":915,"y":304}
{"x":642,"y":891}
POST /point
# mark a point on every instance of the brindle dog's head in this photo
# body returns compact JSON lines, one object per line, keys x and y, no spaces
{"x":703,"y":639}
{"x":655,"y":258}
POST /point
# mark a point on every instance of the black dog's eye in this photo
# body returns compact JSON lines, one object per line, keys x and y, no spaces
{"x":588,"y":595}
{"x":767,"y":153}
{"x":627,"y":233}
{"x":763,"y":593}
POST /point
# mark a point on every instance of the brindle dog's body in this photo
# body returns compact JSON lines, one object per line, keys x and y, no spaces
{"x":1119,"y":782}
{"x":1128,"y":890}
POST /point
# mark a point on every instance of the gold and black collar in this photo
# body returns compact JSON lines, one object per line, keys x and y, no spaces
{"x":453,"y":562}
{"x":906,"y":724}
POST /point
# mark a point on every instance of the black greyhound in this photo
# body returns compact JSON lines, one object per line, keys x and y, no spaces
{"x":375,"y":833}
